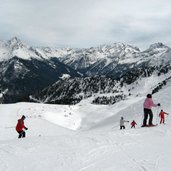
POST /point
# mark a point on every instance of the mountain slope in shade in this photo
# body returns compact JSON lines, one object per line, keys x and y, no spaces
{"x":72,"y":91}
{"x":105,"y":90}
{"x":20,"y":77}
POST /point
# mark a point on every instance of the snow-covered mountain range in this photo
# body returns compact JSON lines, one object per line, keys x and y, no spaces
{"x":26,"y":70}
{"x":15,"y":47}
{"x":103,"y":56}
{"x":23,"y":71}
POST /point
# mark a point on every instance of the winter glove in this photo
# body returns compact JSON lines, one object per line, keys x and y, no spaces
{"x":158,"y":104}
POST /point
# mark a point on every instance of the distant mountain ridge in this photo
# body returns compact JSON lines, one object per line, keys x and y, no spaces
{"x":100,"y":60}
{"x":26,"y":70}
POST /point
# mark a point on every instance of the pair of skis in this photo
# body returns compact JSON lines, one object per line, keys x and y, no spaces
{"x":148,"y":126}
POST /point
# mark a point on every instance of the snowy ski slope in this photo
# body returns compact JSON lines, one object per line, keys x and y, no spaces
{"x":85,"y":137}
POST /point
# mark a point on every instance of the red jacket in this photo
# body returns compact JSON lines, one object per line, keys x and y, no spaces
{"x":20,"y":125}
{"x":161,"y":114}
{"x":133,"y":123}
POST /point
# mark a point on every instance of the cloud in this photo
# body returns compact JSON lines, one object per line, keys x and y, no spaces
{"x":80,"y":23}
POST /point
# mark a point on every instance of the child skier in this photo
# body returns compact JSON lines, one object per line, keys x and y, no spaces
{"x":20,"y":126}
{"x":161,"y":115}
{"x":122,"y":121}
{"x":133,"y":123}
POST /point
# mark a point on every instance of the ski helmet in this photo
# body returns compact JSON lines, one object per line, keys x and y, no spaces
{"x":149,"y":96}
{"x":23,"y":117}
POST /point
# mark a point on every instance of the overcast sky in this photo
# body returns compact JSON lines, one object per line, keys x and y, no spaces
{"x":86,"y":23}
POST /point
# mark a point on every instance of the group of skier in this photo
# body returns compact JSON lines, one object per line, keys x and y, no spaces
{"x":148,"y":104}
{"x":122,"y":123}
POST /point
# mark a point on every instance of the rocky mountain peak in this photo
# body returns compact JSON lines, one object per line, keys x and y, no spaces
{"x":16,"y":43}
{"x":158,"y":46}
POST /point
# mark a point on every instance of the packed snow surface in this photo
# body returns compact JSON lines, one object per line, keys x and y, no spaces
{"x":85,"y":137}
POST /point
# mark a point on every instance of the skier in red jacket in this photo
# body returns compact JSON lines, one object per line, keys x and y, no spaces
{"x":133,"y":123}
{"x":20,"y":126}
{"x":161,"y":115}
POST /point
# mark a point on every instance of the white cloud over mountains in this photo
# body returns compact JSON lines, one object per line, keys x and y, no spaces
{"x":80,"y":23}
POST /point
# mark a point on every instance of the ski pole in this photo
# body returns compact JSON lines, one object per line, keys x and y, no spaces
{"x":167,"y":117}
{"x":142,"y":117}
{"x":157,"y":115}
{"x":8,"y":127}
